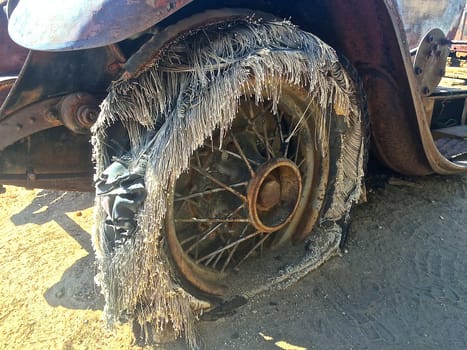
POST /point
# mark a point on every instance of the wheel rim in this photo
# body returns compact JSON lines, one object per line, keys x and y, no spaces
{"x":245,"y":197}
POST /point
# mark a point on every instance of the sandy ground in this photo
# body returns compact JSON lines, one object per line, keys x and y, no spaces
{"x":402,"y":283}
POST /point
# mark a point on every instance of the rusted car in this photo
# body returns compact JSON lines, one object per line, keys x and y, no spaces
{"x":222,"y":137}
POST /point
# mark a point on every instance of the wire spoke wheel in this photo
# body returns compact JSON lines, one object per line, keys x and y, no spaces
{"x":245,"y":195}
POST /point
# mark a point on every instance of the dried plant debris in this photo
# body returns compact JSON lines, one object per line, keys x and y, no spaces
{"x":192,"y":89}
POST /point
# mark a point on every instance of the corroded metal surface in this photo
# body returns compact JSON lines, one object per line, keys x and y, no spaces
{"x":6,"y":84}
{"x":153,"y":48}
{"x":461,"y":33}
{"x":430,"y":61}
{"x":274,"y":194}
{"x":12,"y":56}
{"x":460,"y":38}
{"x":420,"y":16}
{"x":373,"y":44}
{"x":51,"y":159}
{"x":34,"y":118}
{"x":79,"y":112}
{"x":48,"y":74}
{"x":377,"y":46}
{"x":78,"y":24}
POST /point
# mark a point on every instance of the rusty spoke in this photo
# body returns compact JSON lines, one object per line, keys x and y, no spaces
{"x":228,"y":246}
{"x":233,"y":154}
{"x":269,"y":150}
{"x":221,"y":184}
{"x":279,"y":127}
{"x":252,"y":250}
{"x":229,"y":258}
{"x":242,"y":154}
{"x":301,"y":163}
{"x":232,"y":252}
{"x":198,"y":160}
{"x":207,"y":233}
{"x":296,"y":151}
{"x":250,"y":111}
{"x":286,"y":151}
{"x":218,"y":258}
{"x":211,"y":220}
{"x":210,"y":259}
{"x":299,"y":124}
{"x":214,"y":190}
{"x":189,"y":239}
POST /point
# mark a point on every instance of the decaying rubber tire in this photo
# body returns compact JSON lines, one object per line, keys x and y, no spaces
{"x":241,"y":135}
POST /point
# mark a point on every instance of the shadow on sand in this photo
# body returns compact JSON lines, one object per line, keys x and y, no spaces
{"x":76,"y":289}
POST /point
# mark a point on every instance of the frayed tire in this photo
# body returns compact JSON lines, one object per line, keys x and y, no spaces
{"x":240,"y":136}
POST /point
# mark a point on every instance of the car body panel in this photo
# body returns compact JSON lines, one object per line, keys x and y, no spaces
{"x":77,"y":24}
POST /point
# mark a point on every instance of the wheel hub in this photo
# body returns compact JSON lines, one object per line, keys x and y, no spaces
{"x":273,"y":194}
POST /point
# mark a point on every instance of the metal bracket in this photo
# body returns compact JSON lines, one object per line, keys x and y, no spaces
{"x":430,"y":61}
{"x":77,"y":111}
{"x":29,"y":120}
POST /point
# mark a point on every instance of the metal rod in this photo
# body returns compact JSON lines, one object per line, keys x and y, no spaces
{"x":212,"y":220}
{"x":228,"y":246}
{"x":233,"y":154}
{"x":298,"y":147}
{"x":206,"y":234}
{"x":253,"y":249}
{"x":214,"y":190}
{"x":240,"y":150}
{"x":217,"y":259}
{"x":226,"y":263}
{"x":269,"y":149}
{"x":221,"y":184}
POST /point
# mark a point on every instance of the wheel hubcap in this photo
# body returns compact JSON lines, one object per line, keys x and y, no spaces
{"x":273,"y":194}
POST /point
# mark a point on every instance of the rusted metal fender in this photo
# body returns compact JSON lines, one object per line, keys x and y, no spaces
{"x":438,"y":163}
{"x":371,"y":34}
{"x":78,"y":24}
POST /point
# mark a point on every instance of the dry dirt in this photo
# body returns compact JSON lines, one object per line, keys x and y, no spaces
{"x":402,"y":283}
